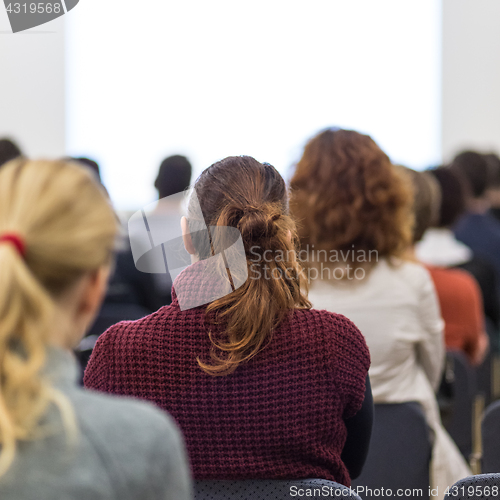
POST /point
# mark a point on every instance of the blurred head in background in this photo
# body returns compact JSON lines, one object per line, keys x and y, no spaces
{"x":438,"y":246}
{"x":8,"y":151}
{"x":453,"y":196}
{"x":427,"y":200}
{"x":174,"y":176}
{"x":474,"y":170}
{"x":493,"y":191}
{"x":92,"y":164}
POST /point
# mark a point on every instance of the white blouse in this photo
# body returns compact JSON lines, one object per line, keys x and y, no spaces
{"x":439,"y":247}
{"x":396,"y":308}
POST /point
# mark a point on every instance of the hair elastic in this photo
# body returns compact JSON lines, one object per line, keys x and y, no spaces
{"x":16,"y":240}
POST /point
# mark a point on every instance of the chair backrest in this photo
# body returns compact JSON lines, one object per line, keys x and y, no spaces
{"x":271,"y":489}
{"x":460,"y":424}
{"x":484,"y":370}
{"x":399,"y":455}
{"x":482,"y":486}
{"x":490,"y":428}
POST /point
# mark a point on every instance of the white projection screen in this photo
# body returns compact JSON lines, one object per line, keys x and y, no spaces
{"x":210,"y":79}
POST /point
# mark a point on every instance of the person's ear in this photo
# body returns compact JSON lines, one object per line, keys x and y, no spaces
{"x":92,"y":295}
{"x":186,"y":237}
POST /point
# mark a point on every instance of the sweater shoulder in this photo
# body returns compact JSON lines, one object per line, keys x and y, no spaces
{"x":139,"y":327}
{"x":120,"y":344}
{"x":335,"y":331}
{"x":330,"y":321}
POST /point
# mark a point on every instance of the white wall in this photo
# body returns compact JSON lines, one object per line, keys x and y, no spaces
{"x":211,"y":79}
{"x":32,"y":76}
{"x":32,"y":102}
{"x":471,"y":76}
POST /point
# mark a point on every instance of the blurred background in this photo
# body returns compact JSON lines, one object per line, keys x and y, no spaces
{"x":128,"y":83}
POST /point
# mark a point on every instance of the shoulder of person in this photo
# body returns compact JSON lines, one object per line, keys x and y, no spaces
{"x":414,"y":274}
{"x":455,"y":277}
{"x":150,"y":323}
{"x":339,"y":332}
{"x":138,"y":445}
{"x":330,"y":320}
{"x":123,"y":421}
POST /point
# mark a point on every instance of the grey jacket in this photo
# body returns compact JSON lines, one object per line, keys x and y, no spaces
{"x":126,"y":450}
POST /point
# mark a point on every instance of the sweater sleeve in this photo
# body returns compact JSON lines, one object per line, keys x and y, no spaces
{"x":359,"y":431}
{"x":430,"y":349}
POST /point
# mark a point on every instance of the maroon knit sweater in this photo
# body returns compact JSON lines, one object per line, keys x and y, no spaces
{"x":278,"y":416}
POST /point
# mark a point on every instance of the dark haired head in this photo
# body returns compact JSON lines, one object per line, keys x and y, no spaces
{"x":494,"y":170}
{"x":174,"y":176}
{"x":242,"y":193}
{"x":473,"y":167}
{"x":89,"y":163}
{"x":453,"y":201}
{"x":8,"y":151}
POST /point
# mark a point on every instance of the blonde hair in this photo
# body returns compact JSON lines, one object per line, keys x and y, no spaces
{"x":426,"y":200}
{"x":69,"y":228}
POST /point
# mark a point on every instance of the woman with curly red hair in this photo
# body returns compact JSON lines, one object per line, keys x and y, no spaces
{"x":355,"y":217}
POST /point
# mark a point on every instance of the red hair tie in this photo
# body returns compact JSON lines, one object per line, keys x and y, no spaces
{"x":16,"y":240}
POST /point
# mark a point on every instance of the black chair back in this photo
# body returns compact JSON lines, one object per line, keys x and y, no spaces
{"x":399,"y":455}
{"x":490,"y":428}
{"x":271,"y":489}
{"x":459,"y":425}
{"x":484,"y":371}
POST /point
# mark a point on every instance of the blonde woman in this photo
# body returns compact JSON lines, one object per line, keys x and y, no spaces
{"x":57,"y":233}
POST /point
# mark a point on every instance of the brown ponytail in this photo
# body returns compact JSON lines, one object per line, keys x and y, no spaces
{"x":240,"y":192}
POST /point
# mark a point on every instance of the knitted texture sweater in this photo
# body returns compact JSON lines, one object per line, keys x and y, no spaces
{"x":278,"y":416}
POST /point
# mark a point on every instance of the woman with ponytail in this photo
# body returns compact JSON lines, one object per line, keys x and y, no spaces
{"x":57,"y":233}
{"x":261,"y":385}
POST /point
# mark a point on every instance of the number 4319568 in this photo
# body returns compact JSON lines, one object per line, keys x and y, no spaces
{"x":478,"y":490}
{"x":33,"y":8}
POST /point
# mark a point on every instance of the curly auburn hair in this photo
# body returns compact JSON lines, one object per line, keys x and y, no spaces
{"x":347,"y":194}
